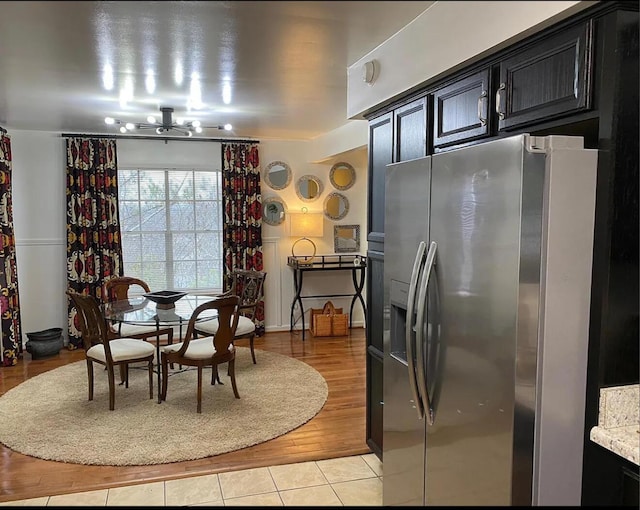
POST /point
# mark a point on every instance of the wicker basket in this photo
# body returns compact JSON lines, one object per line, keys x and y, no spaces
{"x":329,"y":321}
{"x":326,"y":310}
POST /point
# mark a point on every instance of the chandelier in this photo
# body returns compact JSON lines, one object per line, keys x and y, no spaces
{"x":187,"y":128}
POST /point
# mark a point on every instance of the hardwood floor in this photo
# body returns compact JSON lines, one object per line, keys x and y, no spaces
{"x":337,"y":430}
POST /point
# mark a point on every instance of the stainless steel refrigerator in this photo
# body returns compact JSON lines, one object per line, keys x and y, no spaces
{"x":487,"y":277}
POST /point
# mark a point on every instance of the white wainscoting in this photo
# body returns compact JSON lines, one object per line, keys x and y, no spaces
{"x":273,"y":295}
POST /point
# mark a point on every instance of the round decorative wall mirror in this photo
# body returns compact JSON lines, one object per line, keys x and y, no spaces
{"x":277,"y":175}
{"x":342,"y":176}
{"x":274,"y":211}
{"x":308,"y":188}
{"x":336,"y":206}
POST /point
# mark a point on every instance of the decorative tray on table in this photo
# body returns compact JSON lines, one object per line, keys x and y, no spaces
{"x":165,"y":299}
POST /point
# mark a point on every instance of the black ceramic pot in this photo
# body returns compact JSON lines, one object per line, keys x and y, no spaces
{"x":42,"y":344}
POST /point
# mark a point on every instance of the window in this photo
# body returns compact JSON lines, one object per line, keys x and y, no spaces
{"x":171,"y":227}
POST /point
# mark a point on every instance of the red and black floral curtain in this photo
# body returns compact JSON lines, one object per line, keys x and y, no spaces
{"x":242,"y":202}
{"x":94,"y":248}
{"x":9,"y":302}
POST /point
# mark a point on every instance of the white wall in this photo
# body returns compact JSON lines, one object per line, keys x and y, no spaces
{"x":173,"y":154}
{"x":277,"y":243}
{"x":39,"y":218}
{"x":39,"y":213}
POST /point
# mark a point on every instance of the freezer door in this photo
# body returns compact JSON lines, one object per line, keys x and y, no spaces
{"x":475,"y":220}
{"x":406,"y":218}
{"x":407,"y":198}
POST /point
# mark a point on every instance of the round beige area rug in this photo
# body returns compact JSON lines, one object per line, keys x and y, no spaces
{"x":49,"y":416}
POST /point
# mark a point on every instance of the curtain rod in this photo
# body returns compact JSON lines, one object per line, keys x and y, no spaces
{"x":165,"y":138}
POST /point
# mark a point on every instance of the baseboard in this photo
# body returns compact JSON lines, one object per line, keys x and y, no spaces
{"x":275,"y":329}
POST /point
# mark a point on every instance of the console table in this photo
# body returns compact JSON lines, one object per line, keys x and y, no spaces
{"x":301,"y":264}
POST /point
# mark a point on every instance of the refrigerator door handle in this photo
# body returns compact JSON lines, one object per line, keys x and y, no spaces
{"x":420,"y":321}
{"x":411,"y":298}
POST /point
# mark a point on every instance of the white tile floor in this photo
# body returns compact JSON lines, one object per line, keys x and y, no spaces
{"x":346,"y":481}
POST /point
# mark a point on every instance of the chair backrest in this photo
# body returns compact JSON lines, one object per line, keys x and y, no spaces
{"x":248,"y":285}
{"x":227,"y":307}
{"x":91,"y":321}
{"x":117,"y":288}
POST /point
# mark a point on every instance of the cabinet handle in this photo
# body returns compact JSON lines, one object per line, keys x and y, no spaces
{"x":483,"y":121}
{"x":500,"y":114}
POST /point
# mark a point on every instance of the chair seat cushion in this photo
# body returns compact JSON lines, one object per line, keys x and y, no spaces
{"x":126,"y":330}
{"x":200,"y":348}
{"x":246,"y":326}
{"x":122,"y":349}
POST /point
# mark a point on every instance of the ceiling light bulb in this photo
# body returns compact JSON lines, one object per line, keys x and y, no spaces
{"x":130,"y":126}
{"x":123,"y":129}
{"x":159,"y":130}
{"x":109,"y":120}
{"x":151,"y":119}
{"x":150,"y":82}
{"x":228,"y":127}
{"x":226,"y":93}
{"x":178,"y":75}
{"x":189,"y":133}
{"x":195,"y":123}
{"x":198,"y":129}
{"x":107,"y":77}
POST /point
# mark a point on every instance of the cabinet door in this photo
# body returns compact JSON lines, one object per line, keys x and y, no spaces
{"x":380,"y":155}
{"x":375,"y":348}
{"x":460,"y":110}
{"x":549,"y":79}
{"x":374,"y":403}
{"x":410,"y":130}
{"x":375,"y":300}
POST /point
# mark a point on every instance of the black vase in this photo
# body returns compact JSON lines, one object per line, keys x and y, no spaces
{"x":46,"y":343}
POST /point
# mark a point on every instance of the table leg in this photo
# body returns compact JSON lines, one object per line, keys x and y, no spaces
{"x":297,"y":286}
{"x":158,"y":359}
{"x":358,"y":286}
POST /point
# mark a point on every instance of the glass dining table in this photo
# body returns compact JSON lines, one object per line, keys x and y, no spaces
{"x":140,"y":311}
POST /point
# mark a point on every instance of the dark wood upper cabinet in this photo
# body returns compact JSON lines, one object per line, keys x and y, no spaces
{"x":380,"y":155}
{"x":547,"y":79}
{"x":410,"y":129}
{"x":460,"y":110}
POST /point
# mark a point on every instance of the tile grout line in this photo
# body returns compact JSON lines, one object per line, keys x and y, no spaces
{"x":278,"y":491}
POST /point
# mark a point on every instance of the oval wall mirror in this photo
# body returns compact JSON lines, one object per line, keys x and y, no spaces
{"x":308,"y":188}
{"x":274,"y":211}
{"x":277,"y":175}
{"x":336,"y":206}
{"x":342,"y":176}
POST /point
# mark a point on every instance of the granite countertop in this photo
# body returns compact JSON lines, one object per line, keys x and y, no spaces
{"x":618,"y":428}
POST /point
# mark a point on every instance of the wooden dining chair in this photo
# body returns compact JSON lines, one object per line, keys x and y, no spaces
{"x":110,"y":352}
{"x":248,"y":286}
{"x":118,"y":289}
{"x":206,"y":351}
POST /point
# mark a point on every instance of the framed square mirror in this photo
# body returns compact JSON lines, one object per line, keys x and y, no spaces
{"x":346,"y":238}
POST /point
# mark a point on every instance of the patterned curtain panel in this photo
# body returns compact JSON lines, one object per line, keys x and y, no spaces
{"x":9,"y":302}
{"x":94,"y":248}
{"x":242,"y":204}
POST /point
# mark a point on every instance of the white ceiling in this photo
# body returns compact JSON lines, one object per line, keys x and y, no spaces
{"x":286,"y":62}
